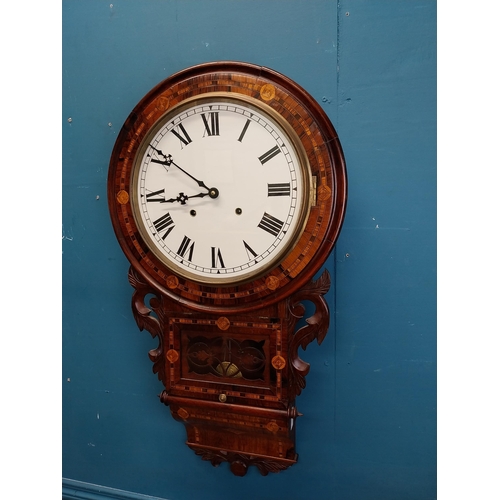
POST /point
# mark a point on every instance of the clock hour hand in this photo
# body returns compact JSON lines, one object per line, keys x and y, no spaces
{"x":169,"y":161}
{"x":182,"y":198}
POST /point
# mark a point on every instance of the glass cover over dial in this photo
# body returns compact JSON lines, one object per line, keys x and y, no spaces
{"x":220,"y":189}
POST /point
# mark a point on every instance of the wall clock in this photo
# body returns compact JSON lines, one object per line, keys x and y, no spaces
{"x":227,"y":190}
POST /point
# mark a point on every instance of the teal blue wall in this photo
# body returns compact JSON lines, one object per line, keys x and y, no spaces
{"x":369,"y":424}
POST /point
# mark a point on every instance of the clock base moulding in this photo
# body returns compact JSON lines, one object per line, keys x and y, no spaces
{"x":232,"y":380}
{"x":227,"y":433}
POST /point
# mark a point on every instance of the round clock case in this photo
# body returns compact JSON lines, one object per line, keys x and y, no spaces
{"x":227,"y":187}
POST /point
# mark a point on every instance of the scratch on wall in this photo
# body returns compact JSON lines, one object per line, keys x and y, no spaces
{"x":67,"y":235}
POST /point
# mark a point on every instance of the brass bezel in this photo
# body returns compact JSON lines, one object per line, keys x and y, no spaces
{"x":305,"y":203}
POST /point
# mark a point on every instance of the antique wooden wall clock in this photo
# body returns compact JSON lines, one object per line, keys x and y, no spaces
{"x":227,"y":191}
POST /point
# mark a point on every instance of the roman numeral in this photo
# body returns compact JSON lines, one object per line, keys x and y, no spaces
{"x":160,"y":199}
{"x":270,"y":224}
{"x":211,"y":124}
{"x":182,"y":135}
{"x":270,"y":154}
{"x":279,"y":189}
{"x":244,"y":131}
{"x":217,"y":258}
{"x":164,"y":223}
{"x":249,"y":250}
{"x":186,"y":246}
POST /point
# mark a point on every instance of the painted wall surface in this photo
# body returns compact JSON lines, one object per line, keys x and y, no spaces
{"x":369,"y":424}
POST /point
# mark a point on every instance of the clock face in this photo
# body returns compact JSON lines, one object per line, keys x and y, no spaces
{"x":220,"y":189}
{"x":227,"y":187}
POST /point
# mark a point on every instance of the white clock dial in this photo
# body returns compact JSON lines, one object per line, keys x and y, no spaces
{"x":220,"y":190}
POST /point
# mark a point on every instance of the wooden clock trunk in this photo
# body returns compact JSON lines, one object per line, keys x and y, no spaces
{"x":232,"y":379}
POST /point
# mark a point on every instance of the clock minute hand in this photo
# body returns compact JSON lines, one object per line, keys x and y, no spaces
{"x":168,"y":161}
{"x":212,"y":192}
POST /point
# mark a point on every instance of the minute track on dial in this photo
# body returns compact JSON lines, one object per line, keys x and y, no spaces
{"x":261,"y":179}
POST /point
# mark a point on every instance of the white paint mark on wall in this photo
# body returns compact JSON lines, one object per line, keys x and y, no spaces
{"x":67,"y":235}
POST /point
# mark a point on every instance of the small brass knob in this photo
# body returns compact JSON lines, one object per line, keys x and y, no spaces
{"x":222,"y":398}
